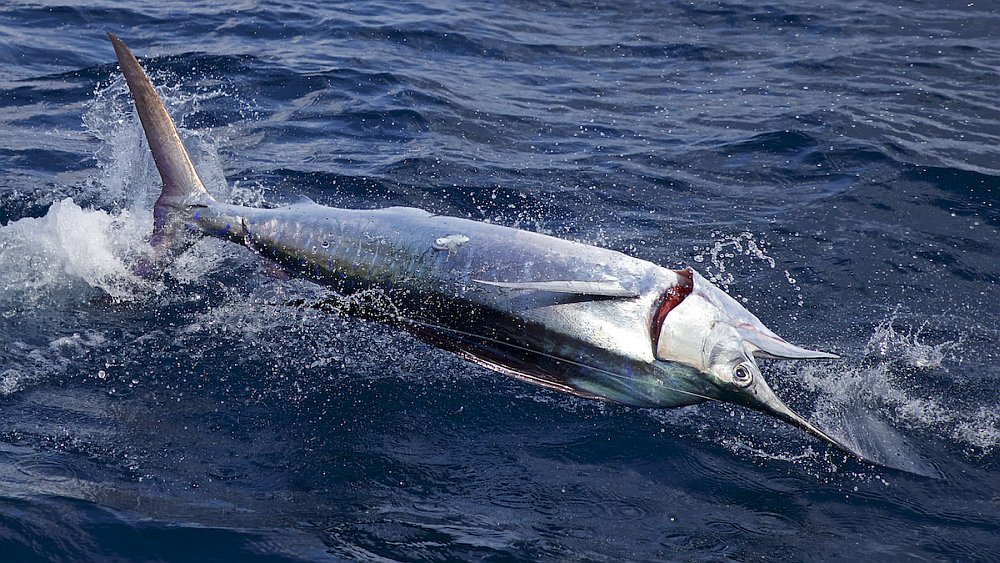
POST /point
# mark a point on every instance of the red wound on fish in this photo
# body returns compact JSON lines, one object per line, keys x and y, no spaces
{"x":670,"y":299}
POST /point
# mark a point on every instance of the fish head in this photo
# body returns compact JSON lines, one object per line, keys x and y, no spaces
{"x":708,"y":330}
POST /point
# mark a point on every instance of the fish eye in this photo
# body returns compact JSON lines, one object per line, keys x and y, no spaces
{"x":742,"y":375}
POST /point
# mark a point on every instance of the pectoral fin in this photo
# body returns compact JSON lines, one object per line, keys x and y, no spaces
{"x":511,"y":360}
{"x":604,"y":288}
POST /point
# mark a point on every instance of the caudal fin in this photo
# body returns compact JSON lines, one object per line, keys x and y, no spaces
{"x":181,"y":184}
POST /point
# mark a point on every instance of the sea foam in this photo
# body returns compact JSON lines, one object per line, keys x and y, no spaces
{"x":70,"y":248}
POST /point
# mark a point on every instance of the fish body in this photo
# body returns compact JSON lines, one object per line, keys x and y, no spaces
{"x":570,"y":316}
{"x":482,"y":299}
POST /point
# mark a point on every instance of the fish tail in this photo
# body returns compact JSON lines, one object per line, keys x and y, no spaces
{"x":182,"y":188}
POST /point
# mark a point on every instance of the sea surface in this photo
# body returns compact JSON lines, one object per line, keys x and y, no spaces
{"x":835,"y":167}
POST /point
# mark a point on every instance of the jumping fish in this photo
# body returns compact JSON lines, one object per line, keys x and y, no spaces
{"x":568,"y":316}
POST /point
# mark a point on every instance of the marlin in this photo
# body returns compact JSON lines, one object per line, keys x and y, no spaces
{"x":575,"y":318}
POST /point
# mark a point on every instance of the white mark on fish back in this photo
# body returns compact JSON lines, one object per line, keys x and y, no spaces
{"x":450,"y":243}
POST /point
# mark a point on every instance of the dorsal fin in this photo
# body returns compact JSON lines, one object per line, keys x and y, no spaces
{"x":181,"y":184}
{"x":180,"y":180}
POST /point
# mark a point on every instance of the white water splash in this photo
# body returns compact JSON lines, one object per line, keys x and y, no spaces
{"x":887,"y":343}
{"x":979,"y":429}
{"x":893,"y":378}
{"x":727,"y":248}
{"x":71,"y":247}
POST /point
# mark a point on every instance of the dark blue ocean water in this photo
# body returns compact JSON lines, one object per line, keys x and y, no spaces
{"x":835,"y":167}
